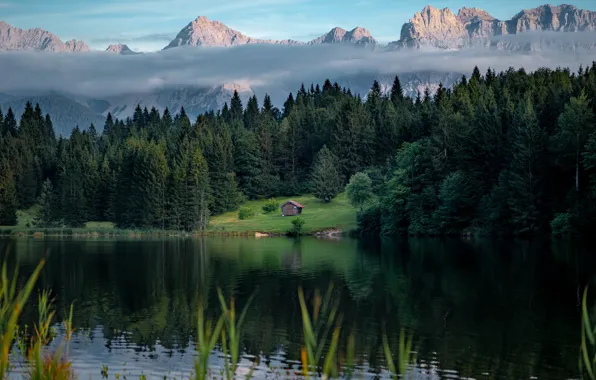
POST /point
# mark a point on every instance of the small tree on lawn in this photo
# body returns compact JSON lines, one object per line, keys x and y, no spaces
{"x":359,"y":190}
{"x":297,"y":224}
{"x":326,"y":181}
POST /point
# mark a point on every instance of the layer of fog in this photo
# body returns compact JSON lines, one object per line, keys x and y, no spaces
{"x":101,"y":75}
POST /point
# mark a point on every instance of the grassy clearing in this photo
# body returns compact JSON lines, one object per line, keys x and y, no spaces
{"x":319,"y":216}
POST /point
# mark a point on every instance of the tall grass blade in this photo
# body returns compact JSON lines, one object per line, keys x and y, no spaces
{"x":586,"y":332}
{"x":11,"y":306}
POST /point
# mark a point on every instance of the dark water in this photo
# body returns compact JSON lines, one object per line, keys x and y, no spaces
{"x":478,"y":309}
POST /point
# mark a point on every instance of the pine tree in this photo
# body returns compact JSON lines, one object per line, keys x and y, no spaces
{"x":109,"y":125}
{"x":10,"y":123}
{"x":528,"y":146}
{"x":224,"y":188}
{"x":326,"y":181}
{"x":197,"y":193}
{"x":248,"y":165}
{"x":397,"y":93}
{"x":8,"y":197}
{"x":574,"y":125}
{"x":46,"y":216}
{"x":288,"y":106}
{"x":251,"y":114}
{"x":236,"y":110}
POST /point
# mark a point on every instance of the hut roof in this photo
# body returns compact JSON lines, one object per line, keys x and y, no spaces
{"x":294,"y":203}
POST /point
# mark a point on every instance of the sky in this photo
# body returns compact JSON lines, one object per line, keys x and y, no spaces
{"x":149,"y":25}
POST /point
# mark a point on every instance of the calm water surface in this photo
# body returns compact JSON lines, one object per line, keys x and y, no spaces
{"x":478,"y":309}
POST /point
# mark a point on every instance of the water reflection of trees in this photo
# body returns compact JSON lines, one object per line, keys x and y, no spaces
{"x":475,"y":306}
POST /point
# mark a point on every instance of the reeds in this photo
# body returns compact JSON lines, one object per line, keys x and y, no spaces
{"x":317,"y":324}
{"x":321,"y":325}
{"x":44,"y":365}
{"x":11,"y":306}
{"x":40,"y":365}
{"x":231,"y":334}
{"x":587,"y":360}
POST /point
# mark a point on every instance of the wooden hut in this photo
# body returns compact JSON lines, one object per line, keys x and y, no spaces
{"x":291,"y":208}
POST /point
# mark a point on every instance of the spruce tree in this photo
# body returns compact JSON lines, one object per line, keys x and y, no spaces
{"x":574,"y":125}
{"x":251,"y":114}
{"x":196,"y":205}
{"x":236,"y":110}
{"x":325,"y":180}
{"x":526,"y":169}
{"x":248,"y":165}
{"x":8,"y":197}
{"x":47,"y":212}
{"x":10,"y":123}
{"x":397,"y":92}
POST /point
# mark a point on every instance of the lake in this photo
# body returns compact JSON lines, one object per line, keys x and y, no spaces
{"x":477,"y":308}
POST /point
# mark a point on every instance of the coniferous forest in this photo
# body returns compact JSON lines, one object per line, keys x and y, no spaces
{"x":508,"y":153}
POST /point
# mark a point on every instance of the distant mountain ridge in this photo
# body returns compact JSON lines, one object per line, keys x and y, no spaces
{"x":431,"y":26}
{"x":12,"y":38}
{"x":443,"y":28}
{"x":338,"y":35}
{"x":121,"y":49}
{"x":204,"y":32}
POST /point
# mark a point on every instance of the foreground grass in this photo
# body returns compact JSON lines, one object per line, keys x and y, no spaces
{"x":319,"y":216}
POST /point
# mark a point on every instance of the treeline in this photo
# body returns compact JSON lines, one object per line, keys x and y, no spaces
{"x":506,"y":153}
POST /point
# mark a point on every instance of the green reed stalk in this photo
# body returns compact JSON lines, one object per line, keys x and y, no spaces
{"x":207,"y":339}
{"x":11,"y":306}
{"x":53,"y":366}
{"x":404,"y":354}
{"x":587,"y":336}
{"x":316,"y":332}
{"x":234,"y":330}
{"x":350,"y":355}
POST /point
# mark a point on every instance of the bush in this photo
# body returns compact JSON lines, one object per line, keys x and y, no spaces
{"x":369,"y":220}
{"x":270,"y":206}
{"x":297,"y":224}
{"x":561,"y":224}
{"x":245,"y":213}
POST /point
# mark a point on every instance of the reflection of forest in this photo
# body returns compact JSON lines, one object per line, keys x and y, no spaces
{"x":506,"y":309}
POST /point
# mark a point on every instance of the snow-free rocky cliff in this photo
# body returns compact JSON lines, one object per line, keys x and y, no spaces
{"x":204,"y":32}
{"x":338,"y":35}
{"x":12,"y":38}
{"x":120,"y":49}
{"x":473,"y":26}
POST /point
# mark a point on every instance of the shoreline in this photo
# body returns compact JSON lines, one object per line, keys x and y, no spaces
{"x":40,"y":233}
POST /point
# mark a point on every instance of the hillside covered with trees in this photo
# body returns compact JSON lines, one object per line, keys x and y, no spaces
{"x":499,"y":153}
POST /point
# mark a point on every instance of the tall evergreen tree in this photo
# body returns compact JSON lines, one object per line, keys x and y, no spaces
{"x":326,"y":181}
{"x":197,"y":193}
{"x":8,"y":197}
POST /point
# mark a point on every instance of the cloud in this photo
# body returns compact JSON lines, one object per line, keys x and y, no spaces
{"x":263,"y":67}
{"x":162,"y":39}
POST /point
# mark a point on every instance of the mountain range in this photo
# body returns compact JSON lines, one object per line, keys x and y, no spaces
{"x":431,"y":26}
{"x":439,"y":28}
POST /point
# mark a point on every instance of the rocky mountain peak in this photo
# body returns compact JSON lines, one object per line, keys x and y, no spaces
{"x":442,"y":28}
{"x":465,"y":15}
{"x":120,"y":49}
{"x":339,"y":35}
{"x":204,"y":32}
{"x":12,"y":38}
{"x":433,"y":24}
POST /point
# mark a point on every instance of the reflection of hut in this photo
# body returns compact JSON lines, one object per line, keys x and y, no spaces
{"x":291,"y":208}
